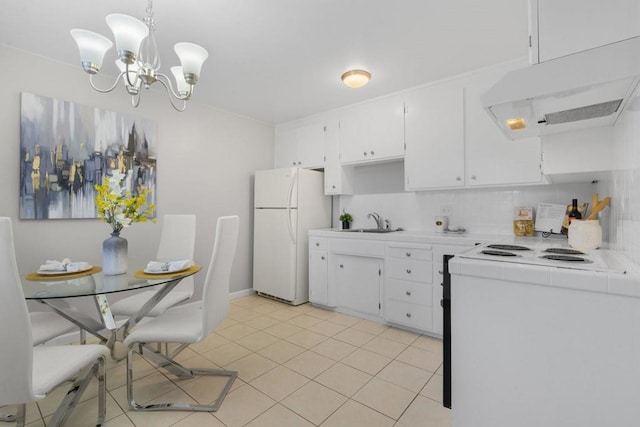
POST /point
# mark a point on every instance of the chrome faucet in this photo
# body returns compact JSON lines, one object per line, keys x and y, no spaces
{"x":376,"y":217}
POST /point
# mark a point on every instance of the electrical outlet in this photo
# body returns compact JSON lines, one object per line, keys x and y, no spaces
{"x":445,"y":210}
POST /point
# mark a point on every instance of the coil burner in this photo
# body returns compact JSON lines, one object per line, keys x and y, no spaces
{"x":497,"y":253}
{"x":564,"y":251}
{"x":508,"y":247}
{"x":566,"y":258}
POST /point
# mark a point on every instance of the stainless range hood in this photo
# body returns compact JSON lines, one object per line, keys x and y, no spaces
{"x":586,"y":89}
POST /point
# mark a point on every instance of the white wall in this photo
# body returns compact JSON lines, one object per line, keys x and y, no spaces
{"x":624,"y":184}
{"x":206,"y":160}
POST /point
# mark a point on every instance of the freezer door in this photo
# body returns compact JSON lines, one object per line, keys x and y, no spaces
{"x":274,"y":252}
{"x":276,"y":188}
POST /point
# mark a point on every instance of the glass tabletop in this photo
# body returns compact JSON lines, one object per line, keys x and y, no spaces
{"x":95,"y":284}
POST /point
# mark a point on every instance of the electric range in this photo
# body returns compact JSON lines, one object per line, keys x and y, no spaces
{"x":549,"y":252}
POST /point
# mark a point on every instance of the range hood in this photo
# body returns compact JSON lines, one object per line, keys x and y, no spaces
{"x":586,"y":89}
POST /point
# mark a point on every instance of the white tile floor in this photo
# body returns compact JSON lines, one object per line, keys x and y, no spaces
{"x":298,"y":366}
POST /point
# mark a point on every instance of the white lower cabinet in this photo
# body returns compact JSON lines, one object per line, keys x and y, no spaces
{"x":408,"y":293}
{"x":358,"y":282}
{"x":387,"y":280}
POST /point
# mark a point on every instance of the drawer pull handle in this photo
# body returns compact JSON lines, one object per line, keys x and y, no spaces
{"x":341,"y":266}
{"x":409,"y":315}
{"x":317,"y":244}
{"x":440,"y":272}
{"x":408,"y":254}
{"x":322,"y":257}
{"x":408,"y":271}
{"x":408,"y":293}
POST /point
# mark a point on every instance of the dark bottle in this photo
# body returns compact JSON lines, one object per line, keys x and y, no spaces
{"x":575,"y":213}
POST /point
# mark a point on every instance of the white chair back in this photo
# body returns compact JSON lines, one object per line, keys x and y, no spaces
{"x":215,"y":295}
{"x":16,"y":350}
{"x":178,"y":241}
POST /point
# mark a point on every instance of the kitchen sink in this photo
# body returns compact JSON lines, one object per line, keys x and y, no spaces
{"x":370,"y":230}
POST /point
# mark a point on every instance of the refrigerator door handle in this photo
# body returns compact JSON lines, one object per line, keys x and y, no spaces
{"x":292,"y":235}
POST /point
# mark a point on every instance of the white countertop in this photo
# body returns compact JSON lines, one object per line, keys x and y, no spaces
{"x":414,"y":236}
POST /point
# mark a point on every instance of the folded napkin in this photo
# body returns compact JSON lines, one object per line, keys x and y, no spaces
{"x":168,"y":266}
{"x":64,"y":265}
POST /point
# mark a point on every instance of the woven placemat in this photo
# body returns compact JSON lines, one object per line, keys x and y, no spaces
{"x":56,"y":277}
{"x":140,"y":274}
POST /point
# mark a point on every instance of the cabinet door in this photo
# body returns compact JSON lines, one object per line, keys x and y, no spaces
{"x":301,"y":144}
{"x":491,"y":158}
{"x":337,"y":179}
{"x":358,"y":282}
{"x":286,"y":147}
{"x":570,"y":26}
{"x":373,"y":131}
{"x":318,"y":277}
{"x":434,"y":155}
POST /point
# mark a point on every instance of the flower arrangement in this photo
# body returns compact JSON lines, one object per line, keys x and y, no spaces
{"x":117,"y":207}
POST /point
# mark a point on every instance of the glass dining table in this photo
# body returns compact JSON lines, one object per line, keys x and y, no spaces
{"x":58,"y":291}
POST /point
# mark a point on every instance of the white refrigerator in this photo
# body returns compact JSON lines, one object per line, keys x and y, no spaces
{"x":288,"y":203}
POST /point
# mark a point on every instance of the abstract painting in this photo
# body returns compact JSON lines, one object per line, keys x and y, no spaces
{"x":66,"y":148}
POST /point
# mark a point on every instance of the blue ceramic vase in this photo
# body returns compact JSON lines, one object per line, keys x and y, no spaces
{"x":114,"y":255}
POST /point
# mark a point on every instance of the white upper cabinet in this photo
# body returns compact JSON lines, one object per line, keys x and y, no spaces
{"x":301,"y":144}
{"x":372,"y":132}
{"x":560,"y":28}
{"x":434,"y":137}
{"x":491,"y":158}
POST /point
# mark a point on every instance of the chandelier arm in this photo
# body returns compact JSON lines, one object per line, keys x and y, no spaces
{"x":115,"y":83}
{"x":171,"y":93}
{"x":135,"y":99}
{"x":126,"y":73}
{"x":166,"y":81}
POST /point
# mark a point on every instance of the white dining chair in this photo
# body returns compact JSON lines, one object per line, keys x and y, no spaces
{"x":189,"y":324}
{"x":177,"y":242}
{"x":27,"y":372}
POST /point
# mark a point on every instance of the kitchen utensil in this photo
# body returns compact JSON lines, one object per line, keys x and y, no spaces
{"x":599,"y":207}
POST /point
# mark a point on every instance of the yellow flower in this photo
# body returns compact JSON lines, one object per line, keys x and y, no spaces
{"x":116,"y":206}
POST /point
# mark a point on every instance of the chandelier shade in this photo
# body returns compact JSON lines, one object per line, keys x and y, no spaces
{"x":92,"y":47}
{"x":138,"y":58}
{"x":129,"y":33}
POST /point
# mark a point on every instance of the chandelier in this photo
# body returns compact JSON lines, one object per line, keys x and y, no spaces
{"x":139,"y":61}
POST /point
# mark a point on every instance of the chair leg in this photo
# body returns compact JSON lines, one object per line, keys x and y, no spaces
{"x":175,"y":368}
{"x":77,"y":389}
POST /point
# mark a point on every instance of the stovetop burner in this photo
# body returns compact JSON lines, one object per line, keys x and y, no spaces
{"x":508,"y":247}
{"x":497,"y":253}
{"x":568,"y":258}
{"x":564,"y":251}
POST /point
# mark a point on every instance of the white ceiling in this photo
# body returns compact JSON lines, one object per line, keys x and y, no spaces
{"x":278,"y":60}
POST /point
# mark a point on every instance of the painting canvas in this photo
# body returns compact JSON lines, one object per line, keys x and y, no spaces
{"x":66,"y":148}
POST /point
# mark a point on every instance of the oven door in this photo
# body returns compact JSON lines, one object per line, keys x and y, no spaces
{"x":446,"y":331}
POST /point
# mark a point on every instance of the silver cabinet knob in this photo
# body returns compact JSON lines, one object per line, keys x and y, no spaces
{"x":408,"y":254}
{"x":317,"y":244}
{"x":364,"y":153}
{"x":408,"y":293}
{"x":408,"y":315}
{"x":333,"y":186}
{"x":458,"y":178}
{"x":341,"y":266}
{"x":322,"y":257}
{"x":473,"y":177}
{"x":440,"y":272}
{"x":408,"y":271}
{"x":373,"y":152}
{"x":294,"y":163}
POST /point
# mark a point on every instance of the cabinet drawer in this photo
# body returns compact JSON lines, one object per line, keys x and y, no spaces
{"x":415,"y":316}
{"x":358,"y":247}
{"x":318,"y":243}
{"x":423,"y":253}
{"x":415,"y":271}
{"x":415,"y":293}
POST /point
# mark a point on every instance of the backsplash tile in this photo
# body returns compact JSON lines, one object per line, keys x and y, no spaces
{"x":477,"y":210}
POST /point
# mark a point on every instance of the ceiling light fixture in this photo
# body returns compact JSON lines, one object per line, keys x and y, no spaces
{"x":356,"y":78}
{"x":133,"y":37}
